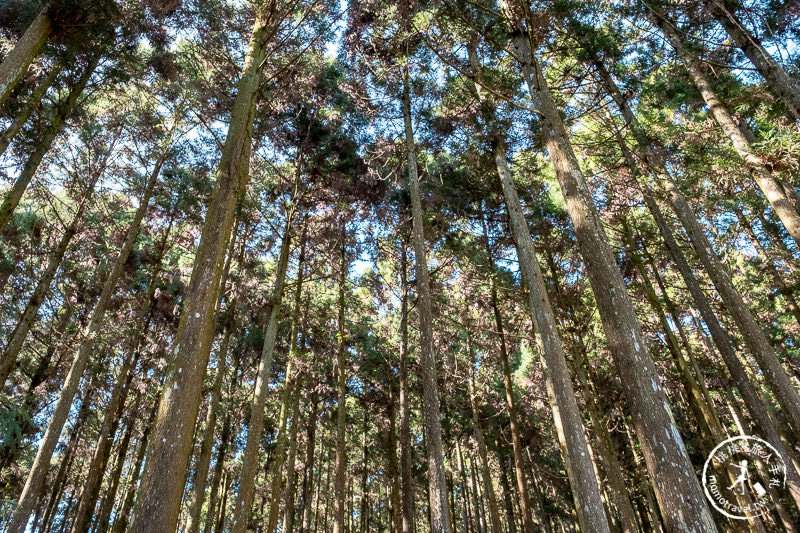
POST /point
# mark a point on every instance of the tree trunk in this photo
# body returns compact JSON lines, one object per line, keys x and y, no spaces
{"x":197,"y":495}
{"x":752,"y":400}
{"x":33,"y":102}
{"x":405,"y":430}
{"x":216,"y":477}
{"x":123,"y":517}
{"x":195,"y":499}
{"x":440,"y":522}
{"x":107,"y":504}
{"x":494,"y":512}
{"x":67,"y":457}
{"x":667,"y":459}
{"x":38,"y":472}
{"x":14,"y":346}
{"x":566,"y":413}
{"x":15,"y":64}
{"x":164,"y":474}
{"x":88,"y":498}
{"x":516,"y":442}
{"x":62,"y":113}
{"x":393,"y":472}
{"x":711,"y":428}
{"x":308,"y":470}
{"x":786,"y":88}
{"x":341,"y":395}
{"x":509,"y":506}
{"x":754,"y":337}
{"x":777,"y":280}
{"x":291,"y":473}
{"x":244,"y":495}
{"x":772,"y":188}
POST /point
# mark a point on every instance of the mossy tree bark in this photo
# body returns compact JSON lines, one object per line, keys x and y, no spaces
{"x":164,"y":474}
{"x":681,"y":499}
{"x":25,"y":51}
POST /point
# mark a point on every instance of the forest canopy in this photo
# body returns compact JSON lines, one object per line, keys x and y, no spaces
{"x":405,"y":267}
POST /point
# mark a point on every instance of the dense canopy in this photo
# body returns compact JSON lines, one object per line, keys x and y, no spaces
{"x":370,"y":266}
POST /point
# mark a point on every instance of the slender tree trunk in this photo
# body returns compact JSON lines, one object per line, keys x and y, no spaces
{"x":494,"y":512}
{"x":440,"y":522}
{"x":394,"y":468}
{"x":15,"y":64}
{"x":226,"y":485}
{"x":67,"y":457}
{"x":308,"y":470}
{"x":290,"y":394}
{"x":244,"y":496}
{"x":20,"y":333}
{"x":778,"y":80}
{"x":509,"y":505}
{"x":164,"y":474}
{"x":341,"y":388}
{"x":33,"y":102}
{"x":88,"y":498}
{"x":704,"y":412}
{"x":62,"y":113}
{"x":567,"y":416}
{"x":618,"y":489}
{"x":480,"y":515}
{"x":405,"y":430}
{"x":754,"y":337}
{"x":107,"y":505}
{"x":38,"y":472}
{"x":465,"y":490}
{"x":364,"y":510}
{"x":767,"y":263}
{"x":772,"y":231}
{"x":216,"y":477}
{"x":666,"y":458}
{"x":291,"y":473}
{"x":752,"y":400}
{"x":772,"y":188}
{"x":516,"y":442}
{"x":195,"y":503}
{"x":123,"y":517}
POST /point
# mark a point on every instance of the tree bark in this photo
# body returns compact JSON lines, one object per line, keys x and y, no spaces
{"x":164,"y":474}
{"x":244,"y":496}
{"x":405,"y":430}
{"x":196,"y":498}
{"x":786,"y":88}
{"x":63,"y":111}
{"x":440,"y":523}
{"x":393,"y":471}
{"x":341,"y":395}
{"x":308,"y":470}
{"x":291,"y":473}
{"x":88,"y":498}
{"x":754,"y":337}
{"x":15,"y":64}
{"x":516,"y":442}
{"x":494,"y":511}
{"x":777,"y":280}
{"x":685,"y":507}
{"x":216,"y":477}
{"x":123,"y":517}
{"x":566,"y":414}
{"x":771,"y":187}
{"x":38,"y":472}
{"x":33,"y":102}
